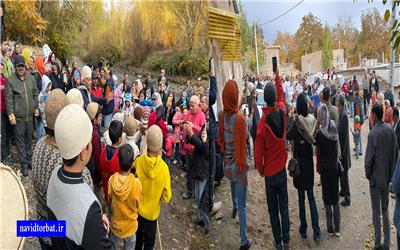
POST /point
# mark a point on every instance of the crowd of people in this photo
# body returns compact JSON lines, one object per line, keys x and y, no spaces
{"x":310,"y":119}
{"x":104,"y":148}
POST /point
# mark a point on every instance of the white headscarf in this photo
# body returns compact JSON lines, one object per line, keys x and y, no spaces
{"x":159,"y":100}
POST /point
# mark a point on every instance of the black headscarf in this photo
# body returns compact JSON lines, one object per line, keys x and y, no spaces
{"x":302,"y":108}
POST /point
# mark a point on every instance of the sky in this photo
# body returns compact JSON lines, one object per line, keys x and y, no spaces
{"x":326,"y":10}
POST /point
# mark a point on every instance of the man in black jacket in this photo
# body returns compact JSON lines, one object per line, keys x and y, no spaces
{"x":68,"y":197}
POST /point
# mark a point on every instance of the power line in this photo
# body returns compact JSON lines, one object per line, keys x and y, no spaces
{"x":270,"y":21}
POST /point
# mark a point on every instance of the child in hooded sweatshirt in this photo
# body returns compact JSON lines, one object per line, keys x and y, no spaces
{"x":130,"y":128}
{"x":124,"y":193}
{"x":109,"y":155}
{"x":41,"y":121}
{"x":154,"y":176}
{"x":357,"y":134}
{"x":128,"y":107}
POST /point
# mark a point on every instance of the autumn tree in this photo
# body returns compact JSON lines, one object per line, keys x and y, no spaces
{"x":287,"y":45}
{"x":190,"y":17}
{"x":245,"y":30}
{"x":327,"y":54}
{"x":374,"y":35}
{"x":24,"y":23}
{"x":308,"y":37}
{"x":345,"y":36}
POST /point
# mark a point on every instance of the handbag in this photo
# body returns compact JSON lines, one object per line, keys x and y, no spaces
{"x":293,"y":166}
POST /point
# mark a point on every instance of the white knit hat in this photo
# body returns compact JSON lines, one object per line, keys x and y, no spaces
{"x":86,"y":72}
{"x":75,"y":96}
{"x":154,"y":138}
{"x":73,"y":131}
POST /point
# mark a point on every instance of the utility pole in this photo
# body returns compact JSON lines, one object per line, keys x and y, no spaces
{"x":392,"y":49}
{"x":255,"y":40}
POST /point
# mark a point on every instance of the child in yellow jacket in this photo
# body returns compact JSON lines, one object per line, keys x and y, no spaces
{"x":124,"y":194}
{"x":153,"y":174}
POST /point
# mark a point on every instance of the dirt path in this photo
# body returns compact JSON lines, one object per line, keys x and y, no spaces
{"x":178,"y":233}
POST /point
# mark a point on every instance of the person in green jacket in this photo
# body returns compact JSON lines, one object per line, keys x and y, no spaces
{"x":22,"y":104}
{"x":8,"y":65}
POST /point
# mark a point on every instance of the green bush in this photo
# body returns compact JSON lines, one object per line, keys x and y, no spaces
{"x":109,"y":51}
{"x":181,"y":63}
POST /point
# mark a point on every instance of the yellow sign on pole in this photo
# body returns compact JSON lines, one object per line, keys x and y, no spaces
{"x":223,"y":26}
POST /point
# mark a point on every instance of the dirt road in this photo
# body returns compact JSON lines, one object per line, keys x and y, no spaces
{"x":178,"y":233}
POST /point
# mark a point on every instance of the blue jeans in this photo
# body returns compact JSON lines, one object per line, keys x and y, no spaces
{"x":199,"y":186}
{"x":107,"y":120}
{"x":277,"y":200}
{"x":358,"y":148}
{"x":351,"y":106}
{"x":239,"y":200}
{"x":313,"y":210}
{"x":39,"y":128}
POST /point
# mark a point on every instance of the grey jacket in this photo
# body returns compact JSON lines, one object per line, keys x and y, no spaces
{"x":380,"y":158}
{"x":21,"y":97}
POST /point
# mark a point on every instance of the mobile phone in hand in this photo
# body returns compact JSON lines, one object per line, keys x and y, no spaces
{"x":274,"y":64}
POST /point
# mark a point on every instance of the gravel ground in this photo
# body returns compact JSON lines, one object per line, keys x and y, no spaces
{"x":176,"y":231}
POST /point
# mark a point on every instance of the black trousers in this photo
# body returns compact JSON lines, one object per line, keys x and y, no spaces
{"x":398,"y":241}
{"x":189,"y":179}
{"x":145,"y":234}
{"x":344,"y":185}
{"x":23,"y":136}
{"x":6,"y":130}
{"x":207,"y":199}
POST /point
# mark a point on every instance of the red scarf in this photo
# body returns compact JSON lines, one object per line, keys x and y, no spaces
{"x":230,"y":96}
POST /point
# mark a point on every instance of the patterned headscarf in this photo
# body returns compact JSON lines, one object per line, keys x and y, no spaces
{"x":327,"y":126}
{"x":118,"y":117}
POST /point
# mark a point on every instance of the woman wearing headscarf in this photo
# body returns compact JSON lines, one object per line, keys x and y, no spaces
{"x":158,"y":105}
{"x":157,"y":116}
{"x":232,"y":140}
{"x":327,"y":143}
{"x":300,"y":130}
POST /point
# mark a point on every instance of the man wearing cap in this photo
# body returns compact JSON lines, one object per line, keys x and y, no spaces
{"x":85,"y":89}
{"x":22,"y":104}
{"x":68,"y":197}
{"x":46,"y":155}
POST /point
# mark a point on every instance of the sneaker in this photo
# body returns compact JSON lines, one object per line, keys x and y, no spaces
{"x":331,"y":232}
{"x":186,"y":195}
{"x":195,"y":206}
{"x":234,"y":212}
{"x":197,"y":221}
{"x":247,"y":246}
{"x":317,"y":238}
{"x":277,"y":246}
{"x":337,"y":234}
{"x":345,"y":203}
{"x":216,"y":207}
